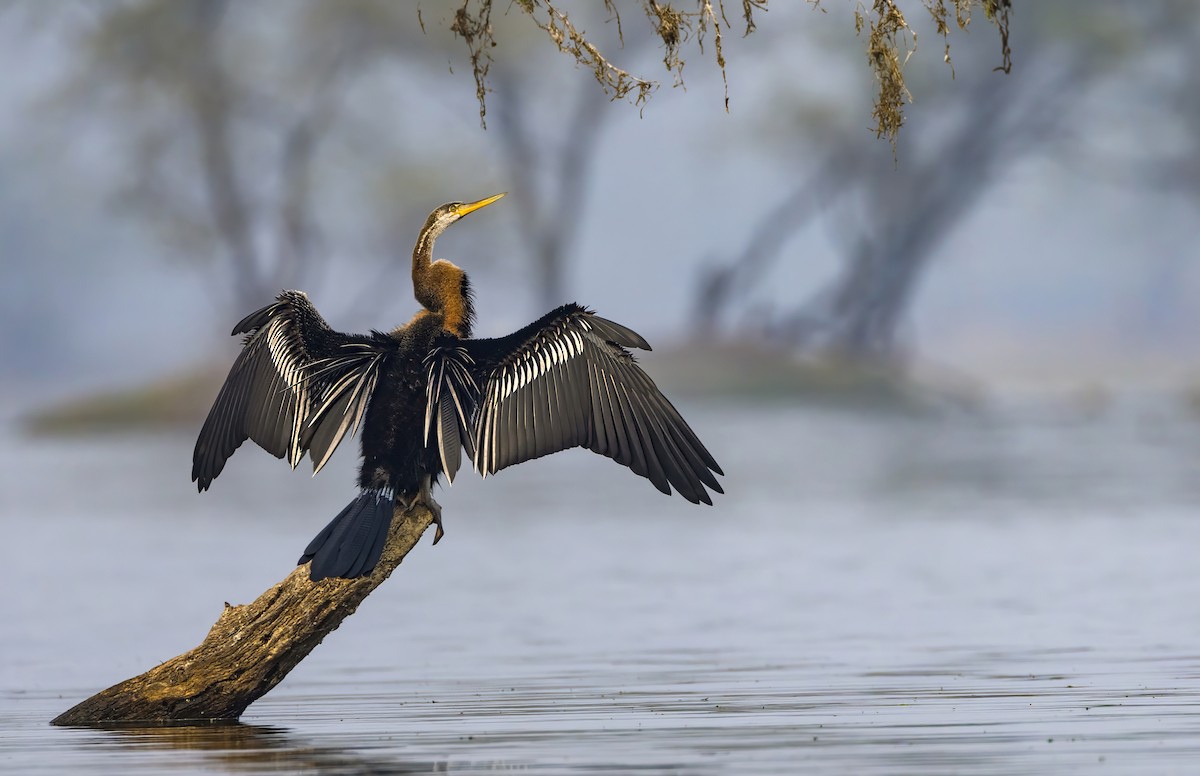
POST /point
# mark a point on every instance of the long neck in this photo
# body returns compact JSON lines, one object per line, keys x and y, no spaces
{"x":422,"y":260}
{"x":441,"y":287}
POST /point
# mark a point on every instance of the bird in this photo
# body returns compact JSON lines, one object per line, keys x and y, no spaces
{"x":425,"y":394}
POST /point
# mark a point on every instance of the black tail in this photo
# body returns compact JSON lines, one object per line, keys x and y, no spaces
{"x":351,"y":544}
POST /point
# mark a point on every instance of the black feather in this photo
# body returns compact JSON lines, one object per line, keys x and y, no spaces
{"x":289,"y":362}
{"x":421,"y":394}
{"x":351,"y":545}
{"x":585,"y":390}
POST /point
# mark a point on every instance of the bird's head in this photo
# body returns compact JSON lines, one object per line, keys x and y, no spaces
{"x":446,"y":214}
{"x":438,"y":285}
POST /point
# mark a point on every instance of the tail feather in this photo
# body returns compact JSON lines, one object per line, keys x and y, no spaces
{"x":367,"y":530}
{"x":352,"y":543}
{"x":375,"y":551}
{"x":320,"y":539}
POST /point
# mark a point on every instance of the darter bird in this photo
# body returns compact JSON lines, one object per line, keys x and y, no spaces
{"x":426,"y":392}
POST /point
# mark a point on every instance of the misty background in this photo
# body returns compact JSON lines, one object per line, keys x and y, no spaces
{"x":954,"y":384}
{"x":1032,"y":230}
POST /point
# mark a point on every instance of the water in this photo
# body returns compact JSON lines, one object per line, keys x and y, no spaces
{"x":1014,"y":592}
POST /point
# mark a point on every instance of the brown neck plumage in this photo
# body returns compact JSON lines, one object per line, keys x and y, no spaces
{"x":440,"y":286}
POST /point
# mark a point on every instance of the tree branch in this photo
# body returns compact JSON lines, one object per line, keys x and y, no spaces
{"x":250,"y":649}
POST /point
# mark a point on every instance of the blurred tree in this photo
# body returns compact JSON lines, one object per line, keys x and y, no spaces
{"x":890,"y":213}
{"x":221,"y":149}
{"x":549,"y":203}
{"x":242,"y":133}
{"x":228,"y":111}
{"x":1156,"y":103}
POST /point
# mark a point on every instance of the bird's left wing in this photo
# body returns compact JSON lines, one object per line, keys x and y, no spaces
{"x":567,"y":380}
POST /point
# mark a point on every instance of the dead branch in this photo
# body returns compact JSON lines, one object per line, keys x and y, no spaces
{"x":250,"y":649}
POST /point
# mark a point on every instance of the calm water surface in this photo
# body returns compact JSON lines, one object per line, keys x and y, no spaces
{"x":1016,"y":592}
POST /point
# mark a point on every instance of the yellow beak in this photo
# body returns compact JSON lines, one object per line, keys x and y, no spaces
{"x":471,"y":207}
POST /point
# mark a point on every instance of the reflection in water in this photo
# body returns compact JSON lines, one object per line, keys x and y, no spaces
{"x":235,"y":747}
{"x":221,"y":736}
{"x":937,"y":595}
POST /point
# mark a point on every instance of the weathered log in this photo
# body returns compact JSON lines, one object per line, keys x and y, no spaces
{"x":250,"y":649}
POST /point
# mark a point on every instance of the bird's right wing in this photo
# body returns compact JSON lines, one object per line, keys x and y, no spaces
{"x":297,"y":385}
{"x":567,"y":380}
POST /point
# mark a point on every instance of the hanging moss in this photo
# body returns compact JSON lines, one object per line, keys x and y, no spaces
{"x":891,"y":41}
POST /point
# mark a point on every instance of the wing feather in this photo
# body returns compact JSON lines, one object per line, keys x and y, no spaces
{"x":626,"y":432}
{"x":508,"y":429}
{"x":324,"y":437}
{"x":568,"y":380}
{"x":450,"y":402}
{"x":552,"y":426}
{"x":575,"y":383}
{"x":685,"y":440}
{"x":640,"y":443}
{"x":608,"y":443}
{"x":449,"y":443}
{"x":641,"y":447}
{"x":293,"y":368}
{"x":675,"y":465}
{"x":344,"y":404}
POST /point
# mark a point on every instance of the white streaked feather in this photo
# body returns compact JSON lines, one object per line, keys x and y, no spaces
{"x":432,"y":385}
{"x":281,"y":348}
{"x":356,"y":385}
{"x":449,"y":386}
{"x":365,"y":396}
{"x":445,"y":444}
{"x":543,"y":360}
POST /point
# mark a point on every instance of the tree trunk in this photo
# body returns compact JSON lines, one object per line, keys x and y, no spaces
{"x":250,"y":649}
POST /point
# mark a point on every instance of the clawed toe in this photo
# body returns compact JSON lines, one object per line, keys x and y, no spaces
{"x":436,"y":510}
{"x":425,"y":498}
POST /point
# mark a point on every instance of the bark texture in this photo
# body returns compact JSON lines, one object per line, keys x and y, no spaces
{"x":250,"y":649}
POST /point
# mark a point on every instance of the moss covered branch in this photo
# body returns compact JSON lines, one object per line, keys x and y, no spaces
{"x":250,"y":649}
{"x":890,"y":42}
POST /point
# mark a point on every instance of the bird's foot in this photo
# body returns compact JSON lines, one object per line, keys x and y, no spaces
{"x":424,"y":497}
{"x":436,"y":510}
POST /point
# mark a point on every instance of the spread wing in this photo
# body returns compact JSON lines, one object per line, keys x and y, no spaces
{"x":566,"y":381}
{"x":297,"y":386}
